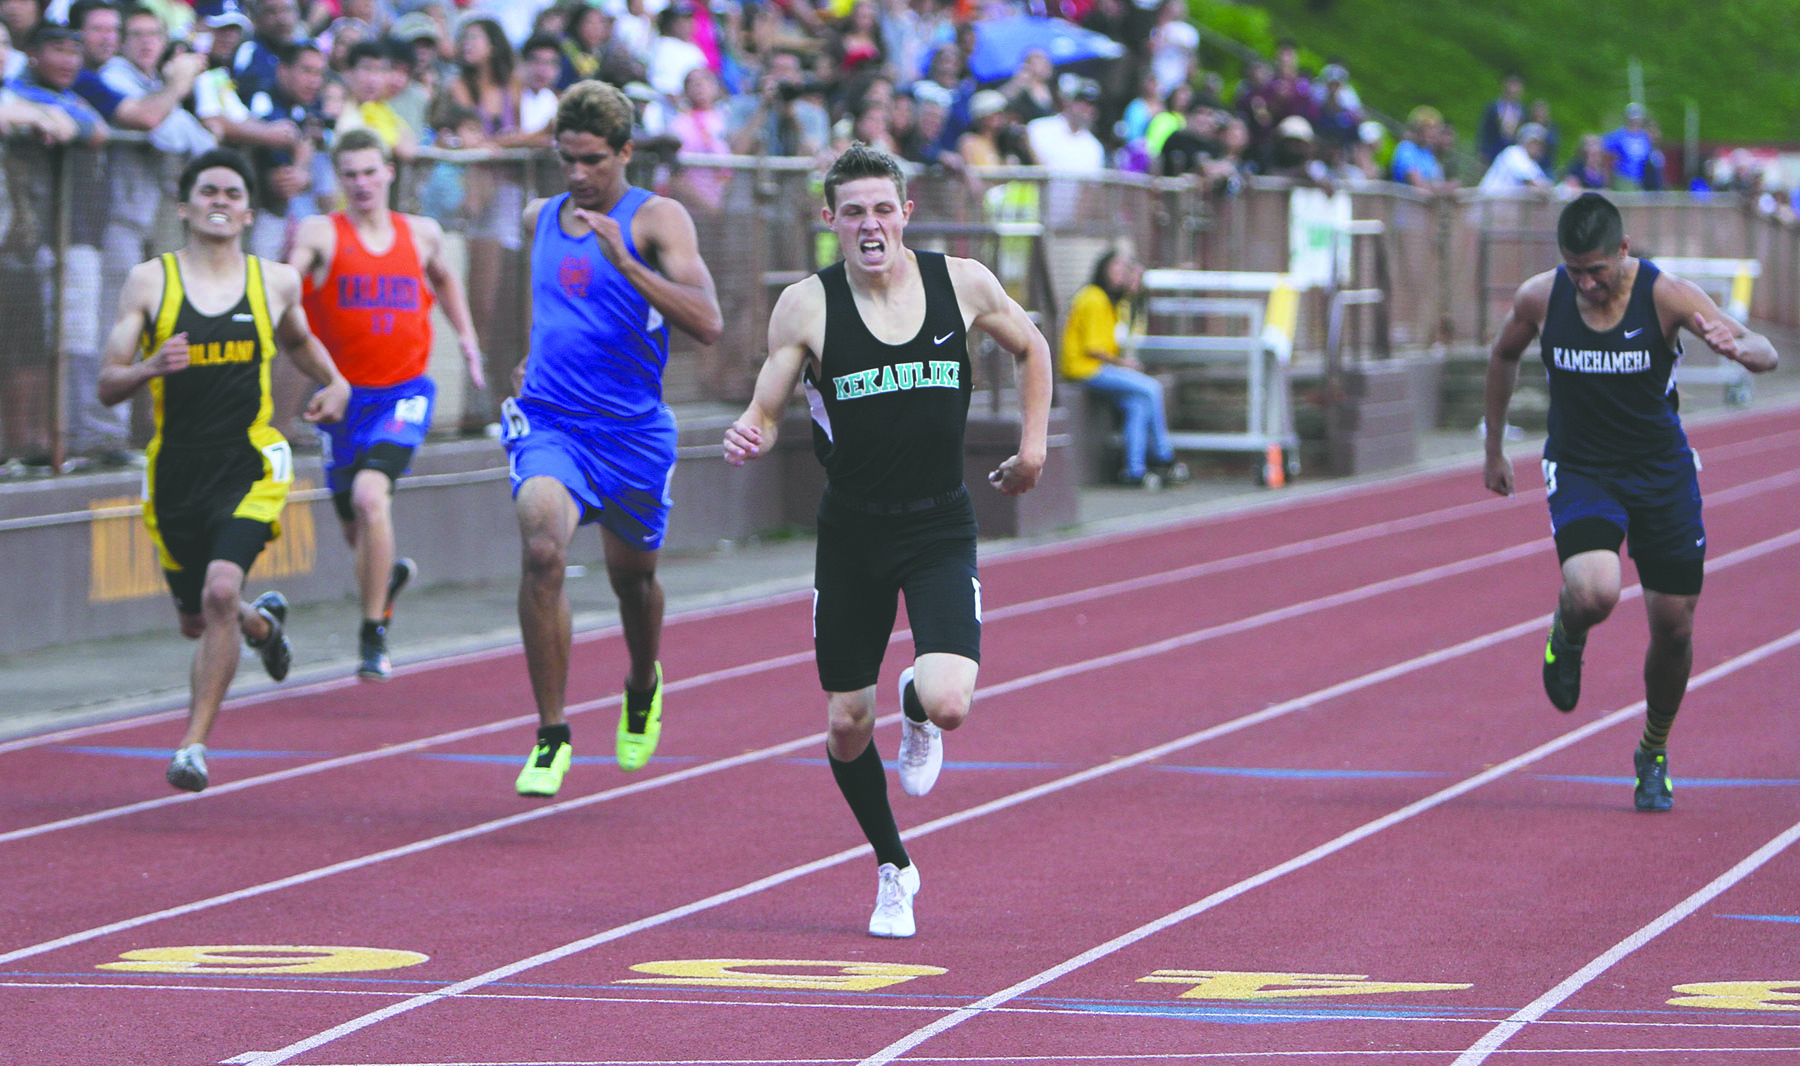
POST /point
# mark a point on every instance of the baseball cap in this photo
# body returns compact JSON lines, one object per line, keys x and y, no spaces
{"x":1634,"y":110}
{"x":1531,"y":131}
{"x":986,"y":102}
{"x":45,"y":32}
{"x":231,"y":16}
{"x":1086,"y":90}
{"x":415,"y":26}
{"x":1295,"y":126}
{"x":1334,"y":72}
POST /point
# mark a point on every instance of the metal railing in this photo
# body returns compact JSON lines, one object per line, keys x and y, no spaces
{"x":72,"y":221}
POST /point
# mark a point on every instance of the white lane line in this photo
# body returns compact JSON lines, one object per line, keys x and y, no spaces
{"x":1266,"y":714}
{"x":1728,"y":451}
{"x":1606,"y":960}
{"x":1299,"y":862}
{"x":1113,"y":766}
{"x":1255,"y":558}
{"x":731,"y":673}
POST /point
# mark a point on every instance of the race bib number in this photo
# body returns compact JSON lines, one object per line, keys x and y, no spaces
{"x":281,"y":462}
{"x":412,"y":410}
{"x":513,"y":421}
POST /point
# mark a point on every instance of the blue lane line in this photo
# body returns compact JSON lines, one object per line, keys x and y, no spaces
{"x":162,"y":754}
{"x":1295,"y":774}
{"x":950,"y":764}
{"x":1794,"y":918}
{"x":1680,"y":781}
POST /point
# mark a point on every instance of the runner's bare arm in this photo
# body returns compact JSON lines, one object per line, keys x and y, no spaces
{"x":1517,"y":331}
{"x":428,"y":239}
{"x":122,"y":373}
{"x":296,"y":341}
{"x":998,"y":315}
{"x":680,"y":286}
{"x":1690,"y":308}
{"x":794,"y":329}
{"x":315,"y":243}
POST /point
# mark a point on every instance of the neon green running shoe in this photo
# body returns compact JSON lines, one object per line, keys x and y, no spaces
{"x":545,"y":768}
{"x":640,"y":730}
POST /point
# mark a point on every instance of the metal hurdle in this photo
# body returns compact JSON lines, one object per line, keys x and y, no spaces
{"x":1267,"y":307}
{"x":1729,"y":282}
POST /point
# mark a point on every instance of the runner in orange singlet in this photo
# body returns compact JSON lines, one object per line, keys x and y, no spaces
{"x":370,"y":275}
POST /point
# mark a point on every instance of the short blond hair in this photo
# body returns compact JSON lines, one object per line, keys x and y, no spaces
{"x":360,"y":139}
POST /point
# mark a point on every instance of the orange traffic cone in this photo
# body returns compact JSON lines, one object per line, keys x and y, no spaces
{"x":1274,"y":468}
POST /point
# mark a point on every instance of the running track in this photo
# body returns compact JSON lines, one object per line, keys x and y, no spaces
{"x":1280,"y":786}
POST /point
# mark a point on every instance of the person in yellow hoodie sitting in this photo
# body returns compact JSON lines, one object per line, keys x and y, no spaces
{"x":1099,"y":322}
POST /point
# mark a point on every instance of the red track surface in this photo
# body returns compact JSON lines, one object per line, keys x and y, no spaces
{"x":1279,"y":786}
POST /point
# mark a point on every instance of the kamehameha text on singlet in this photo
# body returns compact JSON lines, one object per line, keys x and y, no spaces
{"x":899,"y":377}
{"x":1612,"y":391}
{"x":1585,"y":361}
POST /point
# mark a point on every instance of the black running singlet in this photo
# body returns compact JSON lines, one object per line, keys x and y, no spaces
{"x":222,"y":398}
{"x":1612,"y":393}
{"x":888,"y":419}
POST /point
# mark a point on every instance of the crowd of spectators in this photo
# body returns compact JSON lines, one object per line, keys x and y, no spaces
{"x":280,"y":78}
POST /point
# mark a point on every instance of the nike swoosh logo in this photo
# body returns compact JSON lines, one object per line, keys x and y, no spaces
{"x":1630,"y":333}
{"x":945,"y":337}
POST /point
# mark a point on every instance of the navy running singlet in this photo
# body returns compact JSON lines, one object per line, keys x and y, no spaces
{"x":1612,"y":393}
{"x":888,"y":419}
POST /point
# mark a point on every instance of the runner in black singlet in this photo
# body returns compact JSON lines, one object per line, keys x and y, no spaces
{"x":1616,"y":463}
{"x":201,"y":327}
{"x":881,"y":342}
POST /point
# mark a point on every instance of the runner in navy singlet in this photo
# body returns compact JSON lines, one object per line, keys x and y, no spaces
{"x":1616,"y":463}
{"x":881,"y":343}
{"x":589,"y":438}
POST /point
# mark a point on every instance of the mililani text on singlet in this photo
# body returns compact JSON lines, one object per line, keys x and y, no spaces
{"x":1592,"y":362}
{"x":936,"y":374}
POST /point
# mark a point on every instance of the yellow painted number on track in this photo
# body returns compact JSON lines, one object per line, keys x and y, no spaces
{"x":1740,"y":995}
{"x":263,"y":958}
{"x":1229,"y":984}
{"x":754,"y":973}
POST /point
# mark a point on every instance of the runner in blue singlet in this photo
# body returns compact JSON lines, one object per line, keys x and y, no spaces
{"x":1616,"y":464}
{"x":589,"y":437}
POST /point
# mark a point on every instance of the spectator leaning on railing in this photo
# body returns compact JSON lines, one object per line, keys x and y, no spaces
{"x":284,"y":175}
{"x":49,"y":80}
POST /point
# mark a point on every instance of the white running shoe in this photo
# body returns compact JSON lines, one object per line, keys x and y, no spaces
{"x":921,"y":747}
{"x":895,"y":889}
{"x":187,"y":770}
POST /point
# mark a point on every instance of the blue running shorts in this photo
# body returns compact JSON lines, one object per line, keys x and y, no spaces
{"x":617,"y":470}
{"x":397,"y":415}
{"x":1656,"y":503}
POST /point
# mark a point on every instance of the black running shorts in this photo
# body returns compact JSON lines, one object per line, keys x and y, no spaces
{"x":864,"y":563}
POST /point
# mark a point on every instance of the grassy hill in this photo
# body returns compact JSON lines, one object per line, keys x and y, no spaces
{"x":1737,"y":60}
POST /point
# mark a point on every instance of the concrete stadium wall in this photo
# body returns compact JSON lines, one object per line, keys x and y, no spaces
{"x":80,"y":564}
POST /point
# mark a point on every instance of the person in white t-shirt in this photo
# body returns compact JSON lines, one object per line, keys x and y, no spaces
{"x":1174,"y":47}
{"x":540,"y":64}
{"x":1518,"y":166}
{"x":674,"y":52}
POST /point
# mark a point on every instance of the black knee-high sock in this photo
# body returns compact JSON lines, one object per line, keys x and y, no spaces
{"x":864,"y":785}
{"x":1657,"y":724}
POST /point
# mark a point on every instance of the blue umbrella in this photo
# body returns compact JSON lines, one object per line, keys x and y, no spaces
{"x":1001,"y":44}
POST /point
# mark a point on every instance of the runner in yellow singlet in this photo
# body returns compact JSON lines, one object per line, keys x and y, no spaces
{"x":201,"y":327}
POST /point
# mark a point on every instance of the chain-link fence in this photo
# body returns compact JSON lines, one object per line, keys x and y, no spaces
{"x":73,"y":221}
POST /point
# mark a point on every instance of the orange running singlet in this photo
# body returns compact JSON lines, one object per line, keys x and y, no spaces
{"x":373,"y":312}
